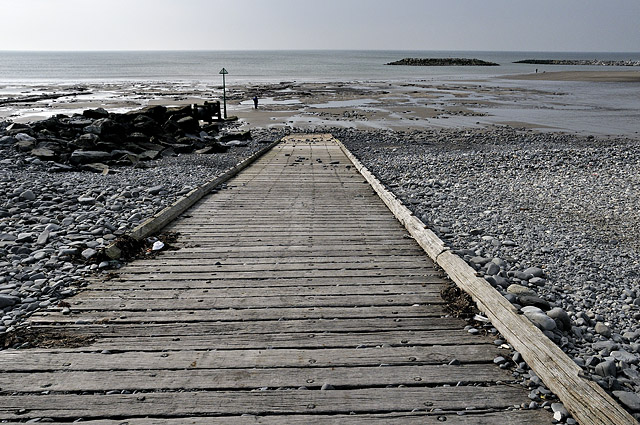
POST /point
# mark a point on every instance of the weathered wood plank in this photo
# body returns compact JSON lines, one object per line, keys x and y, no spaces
{"x":116,"y":304}
{"x":298,"y":274}
{"x":476,"y":417}
{"x":79,"y":359}
{"x":363,"y":259}
{"x":263,"y":327}
{"x":171,"y":404}
{"x":284,"y":340}
{"x":278,"y":291}
{"x":194,"y":378}
{"x":188,"y":266}
{"x":247,"y":315}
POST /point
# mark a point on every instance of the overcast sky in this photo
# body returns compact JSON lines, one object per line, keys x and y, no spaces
{"x":538,"y":25}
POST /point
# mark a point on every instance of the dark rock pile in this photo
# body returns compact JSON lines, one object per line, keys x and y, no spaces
{"x":97,"y":139}
{"x":591,"y":62}
{"x":442,"y":62}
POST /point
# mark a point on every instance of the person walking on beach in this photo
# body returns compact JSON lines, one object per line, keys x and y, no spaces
{"x":255,"y":102}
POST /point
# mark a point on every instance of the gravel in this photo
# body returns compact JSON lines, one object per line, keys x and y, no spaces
{"x":52,"y":225}
{"x":553,"y":213}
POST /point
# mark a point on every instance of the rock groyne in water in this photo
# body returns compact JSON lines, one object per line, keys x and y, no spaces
{"x":442,"y":62}
{"x":594,"y":62}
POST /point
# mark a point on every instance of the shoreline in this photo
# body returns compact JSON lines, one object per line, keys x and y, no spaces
{"x":582,"y":76}
{"x":411,"y":104}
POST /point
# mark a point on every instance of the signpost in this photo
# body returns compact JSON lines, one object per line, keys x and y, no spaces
{"x":224,"y":91}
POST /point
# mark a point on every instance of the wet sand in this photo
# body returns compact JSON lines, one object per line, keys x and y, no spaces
{"x":545,"y":105}
{"x":592,"y":76}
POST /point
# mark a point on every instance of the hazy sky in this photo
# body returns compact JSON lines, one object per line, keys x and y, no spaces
{"x":544,"y":25}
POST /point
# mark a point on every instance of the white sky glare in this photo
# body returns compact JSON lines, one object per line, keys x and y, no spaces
{"x":517,"y":25}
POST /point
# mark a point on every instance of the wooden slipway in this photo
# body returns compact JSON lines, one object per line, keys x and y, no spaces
{"x":295,"y":297}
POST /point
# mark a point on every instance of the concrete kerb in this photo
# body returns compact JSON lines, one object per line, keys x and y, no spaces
{"x":158,"y":221}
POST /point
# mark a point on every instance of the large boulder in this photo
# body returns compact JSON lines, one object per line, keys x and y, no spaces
{"x":7,"y":140}
{"x":44,"y":154}
{"x":105,"y":127}
{"x":147,"y":125}
{"x":188,"y":125}
{"x":96,"y":113}
{"x":88,"y":157}
{"x":87,"y":141}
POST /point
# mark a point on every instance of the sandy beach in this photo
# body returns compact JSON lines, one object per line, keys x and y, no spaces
{"x":575,"y":102}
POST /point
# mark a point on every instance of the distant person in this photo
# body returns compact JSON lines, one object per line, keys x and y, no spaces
{"x":255,"y":102}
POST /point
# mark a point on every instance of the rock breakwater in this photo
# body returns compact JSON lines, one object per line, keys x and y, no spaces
{"x":442,"y":62}
{"x":97,"y":139}
{"x":592,"y":62}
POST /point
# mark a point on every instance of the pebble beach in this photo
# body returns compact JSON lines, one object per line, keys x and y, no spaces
{"x":549,"y":218}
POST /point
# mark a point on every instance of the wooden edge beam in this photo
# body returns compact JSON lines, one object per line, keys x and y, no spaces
{"x":168,"y":214}
{"x":588,"y":403}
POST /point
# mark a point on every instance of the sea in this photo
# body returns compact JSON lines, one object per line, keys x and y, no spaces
{"x":269,"y":66}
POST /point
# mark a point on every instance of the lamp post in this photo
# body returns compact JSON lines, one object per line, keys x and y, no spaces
{"x":224,"y":91}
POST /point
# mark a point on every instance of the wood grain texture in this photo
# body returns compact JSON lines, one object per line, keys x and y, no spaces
{"x":291,"y":276}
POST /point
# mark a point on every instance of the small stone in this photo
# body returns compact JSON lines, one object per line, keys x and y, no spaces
{"x":534,"y":271}
{"x":630,"y":400}
{"x":43,"y":238}
{"x":527,"y":300}
{"x":606,"y":369}
{"x":6,"y":301}
{"x":492,"y":269}
{"x":518,"y":290}
{"x":603,"y":330}
{"x":28,"y":195}
{"x":538,"y":281}
{"x":86,"y":200}
{"x":88,"y":253}
{"x":499,"y":360}
{"x":25,"y":237}
{"x":538,"y":318}
{"x":624,"y":356}
{"x":561,"y":317}
{"x":155,"y":190}
{"x":326,"y":387}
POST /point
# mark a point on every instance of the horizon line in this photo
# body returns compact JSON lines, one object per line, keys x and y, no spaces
{"x":303,"y":50}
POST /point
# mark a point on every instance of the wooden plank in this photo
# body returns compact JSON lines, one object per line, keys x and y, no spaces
{"x":276,"y":267}
{"x":320,"y":340}
{"x":249,"y":314}
{"x":226,"y":292}
{"x":263,"y":327}
{"x":336,"y":250}
{"x":117,"y":283}
{"x":176,"y":260}
{"x":301,"y":274}
{"x":587,"y":402}
{"x":475,"y":417}
{"x":195,"y":378}
{"x":79,"y":359}
{"x":173,"y":404}
{"x":255,"y":302}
